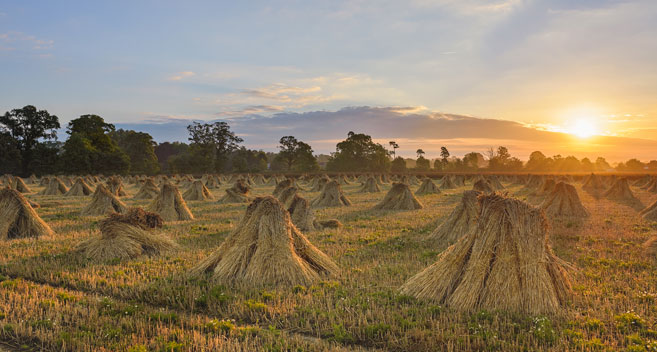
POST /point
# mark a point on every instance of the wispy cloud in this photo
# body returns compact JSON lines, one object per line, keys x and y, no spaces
{"x":14,"y":40}
{"x":181,"y":75}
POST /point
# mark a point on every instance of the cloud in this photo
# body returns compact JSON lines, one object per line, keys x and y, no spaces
{"x":181,"y":75}
{"x":412,"y":130}
{"x":19,"y":41}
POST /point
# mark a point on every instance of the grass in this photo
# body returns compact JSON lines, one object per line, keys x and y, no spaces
{"x":53,"y":300}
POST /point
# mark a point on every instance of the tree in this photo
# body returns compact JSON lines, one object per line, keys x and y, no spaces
{"x":587,"y":165}
{"x":398,"y":165}
{"x":215,"y":141}
{"x":652,"y":165}
{"x":634,"y":165}
{"x":164,"y":151}
{"x":28,"y":127}
{"x":10,"y":155}
{"x":444,"y":154}
{"x":140,"y":148}
{"x":245,"y":160}
{"x":91,"y":149}
{"x":601,"y":164}
{"x":297,"y":155}
{"x":536,"y":162}
{"x":422,"y":163}
{"x":471,"y":160}
{"x":359,"y":153}
{"x":438,"y":165}
{"x":394,"y":146}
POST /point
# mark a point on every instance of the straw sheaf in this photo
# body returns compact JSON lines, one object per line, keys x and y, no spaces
{"x":427,"y":187}
{"x":331,"y":196}
{"x":148,"y":190}
{"x":103,"y":202}
{"x":370,"y":186}
{"x":506,"y":264}
{"x":460,"y":221}
{"x":127,"y":236}
{"x":650,"y":212}
{"x":564,"y":202}
{"x":267,"y":249}
{"x":55,"y":187}
{"x":197,"y":191}
{"x":399,"y":197}
{"x":18,"y":219}
{"x":79,"y":189}
{"x":170,"y":205}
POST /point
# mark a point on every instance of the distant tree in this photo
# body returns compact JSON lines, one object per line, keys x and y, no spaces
{"x":359,"y":153}
{"x":10,"y":155}
{"x":419,"y":153}
{"x":569,"y":164}
{"x":438,"y":165}
{"x":471,"y":161}
{"x":587,"y":165}
{"x":634,"y":165}
{"x":297,"y":155}
{"x":444,"y":154}
{"x":245,"y":160}
{"x":394,"y":146}
{"x":164,"y":151}
{"x":652,"y":165}
{"x":601,"y":164}
{"x":28,"y":128}
{"x":91,"y":148}
{"x":536,"y":162}
{"x":140,"y":148}
{"x":398,"y":165}
{"x":215,"y":141}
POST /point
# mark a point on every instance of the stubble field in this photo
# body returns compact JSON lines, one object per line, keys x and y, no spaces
{"x":54,"y":299}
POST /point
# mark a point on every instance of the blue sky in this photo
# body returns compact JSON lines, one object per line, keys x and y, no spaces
{"x":550,"y":65}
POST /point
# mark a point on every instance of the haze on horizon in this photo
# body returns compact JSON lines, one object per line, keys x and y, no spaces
{"x":559,"y":76}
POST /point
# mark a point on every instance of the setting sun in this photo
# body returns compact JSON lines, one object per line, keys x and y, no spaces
{"x":583,"y":128}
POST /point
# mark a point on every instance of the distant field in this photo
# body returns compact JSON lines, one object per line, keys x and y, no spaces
{"x":54,"y":300}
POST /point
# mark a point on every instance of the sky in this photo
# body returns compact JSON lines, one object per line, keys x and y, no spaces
{"x":566,"y":77}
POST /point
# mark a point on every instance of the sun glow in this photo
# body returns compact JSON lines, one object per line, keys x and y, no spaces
{"x":583,"y":128}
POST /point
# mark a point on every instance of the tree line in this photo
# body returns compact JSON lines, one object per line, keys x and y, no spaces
{"x":29,"y":145}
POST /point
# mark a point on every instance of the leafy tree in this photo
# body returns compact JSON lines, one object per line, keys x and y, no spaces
{"x":514,"y":164}
{"x":444,"y":154}
{"x":91,"y":148}
{"x":394,"y":146}
{"x":359,"y":153}
{"x":215,"y":141}
{"x":245,"y":160}
{"x":601,"y":164}
{"x":164,"y":151}
{"x":634,"y":165}
{"x":297,"y":155}
{"x":79,"y":155}
{"x":438,"y":165}
{"x":652,"y":165}
{"x":28,"y":127}
{"x":193,"y":160}
{"x":587,"y":165}
{"x":10,"y":155}
{"x":140,"y":148}
{"x":398,"y":165}
{"x":471,"y":161}
{"x":422,"y":163}
{"x":537,"y":161}
{"x":499,"y":160}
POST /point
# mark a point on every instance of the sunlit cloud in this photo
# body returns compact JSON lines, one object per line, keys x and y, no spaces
{"x":182,"y":75}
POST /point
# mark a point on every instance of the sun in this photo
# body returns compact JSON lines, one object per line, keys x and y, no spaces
{"x":583,"y":128}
